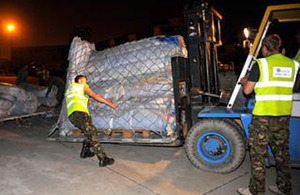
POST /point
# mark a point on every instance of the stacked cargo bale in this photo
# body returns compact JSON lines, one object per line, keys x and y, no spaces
{"x":15,"y":101}
{"x":137,"y":75}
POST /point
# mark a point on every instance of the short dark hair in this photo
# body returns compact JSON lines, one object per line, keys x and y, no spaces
{"x":272,"y":42}
{"x":79,"y":77}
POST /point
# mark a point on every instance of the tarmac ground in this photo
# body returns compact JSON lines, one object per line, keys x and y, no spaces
{"x":29,"y":164}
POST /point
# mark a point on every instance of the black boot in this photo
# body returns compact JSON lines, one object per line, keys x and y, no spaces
{"x":85,"y":151}
{"x":103,"y":161}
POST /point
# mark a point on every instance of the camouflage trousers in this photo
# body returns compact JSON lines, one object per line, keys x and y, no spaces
{"x":84,"y":122}
{"x":272,"y":131}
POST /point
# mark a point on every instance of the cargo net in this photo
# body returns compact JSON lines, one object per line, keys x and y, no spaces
{"x":137,"y":75}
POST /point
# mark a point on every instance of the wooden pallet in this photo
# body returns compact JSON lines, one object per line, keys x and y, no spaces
{"x":128,"y":134}
{"x":124,"y":134}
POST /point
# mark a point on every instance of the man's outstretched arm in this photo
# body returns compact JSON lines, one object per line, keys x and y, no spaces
{"x":99,"y":97}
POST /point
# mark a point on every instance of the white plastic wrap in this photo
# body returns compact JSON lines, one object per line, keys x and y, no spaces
{"x":137,"y":75}
{"x":15,"y":100}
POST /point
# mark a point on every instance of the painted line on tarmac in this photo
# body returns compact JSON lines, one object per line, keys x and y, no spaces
{"x":225,"y":184}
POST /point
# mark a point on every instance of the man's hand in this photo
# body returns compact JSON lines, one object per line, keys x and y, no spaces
{"x":114,"y":105}
{"x":248,"y":86}
{"x":106,"y":101}
{"x":244,"y":80}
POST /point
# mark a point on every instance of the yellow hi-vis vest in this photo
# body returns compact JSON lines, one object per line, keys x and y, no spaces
{"x":77,"y":100}
{"x":274,"y":90}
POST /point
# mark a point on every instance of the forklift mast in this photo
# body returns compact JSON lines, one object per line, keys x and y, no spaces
{"x":203,"y":35}
{"x":199,"y":72}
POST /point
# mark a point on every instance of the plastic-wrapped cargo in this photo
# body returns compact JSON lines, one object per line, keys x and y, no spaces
{"x":24,"y":99}
{"x":40,"y":93}
{"x":15,"y":101}
{"x":137,"y":75}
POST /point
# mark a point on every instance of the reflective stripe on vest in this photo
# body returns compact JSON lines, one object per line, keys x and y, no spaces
{"x":274,"y":90}
{"x":76,"y":99}
{"x":274,"y":97}
{"x":77,"y":95}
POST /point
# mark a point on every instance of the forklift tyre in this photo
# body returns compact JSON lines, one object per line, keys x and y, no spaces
{"x":216,"y":146}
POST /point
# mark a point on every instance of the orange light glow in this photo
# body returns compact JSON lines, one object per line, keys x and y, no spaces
{"x":10,"y":27}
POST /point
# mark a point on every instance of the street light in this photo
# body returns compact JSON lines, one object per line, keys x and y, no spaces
{"x":10,"y":28}
{"x":246,"y":42}
{"x":246,"y":33}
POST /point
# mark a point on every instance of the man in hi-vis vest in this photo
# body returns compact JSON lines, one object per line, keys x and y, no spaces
{"x":272,"y":78}
{"x":77,"y":97}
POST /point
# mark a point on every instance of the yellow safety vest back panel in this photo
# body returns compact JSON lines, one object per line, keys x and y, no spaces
{"x":77,"y":100}
{"x":274,"y":90}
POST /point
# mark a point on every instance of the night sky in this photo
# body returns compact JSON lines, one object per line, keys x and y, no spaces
{"x":50,"y":22}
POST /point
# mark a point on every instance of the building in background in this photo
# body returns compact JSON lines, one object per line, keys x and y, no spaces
{"x":5,"y":55}
{"x":52,"y":58}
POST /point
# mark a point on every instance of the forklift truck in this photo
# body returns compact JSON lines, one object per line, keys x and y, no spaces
{"x":216,"y":133}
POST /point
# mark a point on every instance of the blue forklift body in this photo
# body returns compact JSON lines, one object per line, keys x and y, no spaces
{"x":244,"y":114}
